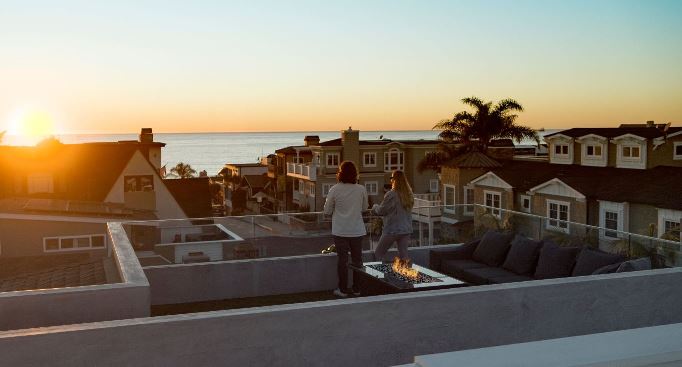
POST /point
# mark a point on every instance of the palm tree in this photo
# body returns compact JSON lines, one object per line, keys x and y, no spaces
{"x":488,"y":122}
{"x":475,"y":131}
{"x":183,"y":170}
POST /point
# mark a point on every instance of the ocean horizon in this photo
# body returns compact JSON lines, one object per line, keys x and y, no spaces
{"x":210,"y":151}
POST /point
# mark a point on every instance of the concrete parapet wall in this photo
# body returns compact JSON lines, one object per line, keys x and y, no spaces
{"x":370,"y":331}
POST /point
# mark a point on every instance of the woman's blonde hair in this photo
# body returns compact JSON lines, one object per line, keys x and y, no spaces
{"x":400,"y":185}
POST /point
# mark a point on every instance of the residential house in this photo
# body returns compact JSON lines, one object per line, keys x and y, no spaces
{"x":233,"y":174}
{"x":623,"y":179}
{"x":57,"y":197}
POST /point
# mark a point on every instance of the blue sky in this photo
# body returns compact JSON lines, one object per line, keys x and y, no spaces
{"x":236,"y":66}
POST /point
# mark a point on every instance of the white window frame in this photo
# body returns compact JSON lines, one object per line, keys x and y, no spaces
{"x":568,"y":216}
{"x":637,"y":162}
{"x":388,"y":167}
{"x":333,"y":157}
{"x":301,"y":187}
{"x":369,"y":184}
{"x":297,"y":159}
{"x":325,"y":189}
{"x":372,"y":157}
{"x":74,"y":239}
{"x":468,"y":200}
{"x":447,"y":206}
{"x":667,"y":215}
{"x":597,"y":160}
{"x":630,"y":157}
{"x":434,"y":184}
{"x":522,"y":198}
{"x":621,"y":210}
{"x":676,"y":156}
{"x":311,"y":189}
{"x":497,"y":213}
{"x":40,"y":183}
{"x":560,"y":158}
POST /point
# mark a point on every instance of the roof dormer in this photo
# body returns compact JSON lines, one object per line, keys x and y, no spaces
{"x":560,"y":149}
{"x":630,"y":151}
{"x":593,"y":150}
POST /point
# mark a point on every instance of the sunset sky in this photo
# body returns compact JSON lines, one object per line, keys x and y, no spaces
{"x":179,"y":66}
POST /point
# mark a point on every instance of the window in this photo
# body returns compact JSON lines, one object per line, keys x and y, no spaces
{"x":74,"y":243}
{"x":311,"y":188}
{"x":301,"y":187}
{"x":611,"y":222}
{"x":631,"y":152}
{"x":468,"y":200}
{"x":372,"y":187}
{"x":138,"y":183}
{"x":433,"y":185}
{"x":393,"y":159}
{"x":40,"y":183}
{"x":677,"y":150}
{"x":493,"y":199}
{"x":449,"y":198}
{"x":557,"y":212}
{"x":369,"y":159}
{"x":671,"y":229}
{"x":297,"y":159}
{"x":325,"y":189}
{"x":593,"y":151}
{"x":561,"y":149}
{"x":524,"y":201}
{"x":333,"y":159}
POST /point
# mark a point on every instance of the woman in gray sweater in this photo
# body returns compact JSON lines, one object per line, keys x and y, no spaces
{"x":396,"y":210}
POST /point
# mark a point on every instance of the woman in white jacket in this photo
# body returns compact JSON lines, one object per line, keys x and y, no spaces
{"x":345,"y":203}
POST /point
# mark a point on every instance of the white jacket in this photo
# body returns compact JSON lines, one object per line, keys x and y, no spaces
{"x":345,"y":203}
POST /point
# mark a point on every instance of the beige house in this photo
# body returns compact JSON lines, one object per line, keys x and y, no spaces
{"x":624,"y":179}
{"x":311,"y":169}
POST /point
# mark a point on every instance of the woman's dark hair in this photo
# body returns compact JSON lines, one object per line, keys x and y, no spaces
{"x":347,"y":173}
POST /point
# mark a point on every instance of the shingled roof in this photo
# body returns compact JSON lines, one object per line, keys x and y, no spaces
{"x":192,"y":194}
{"x":658,"y":186}
{"x":473,"y":160}
{"x":612,"y":132}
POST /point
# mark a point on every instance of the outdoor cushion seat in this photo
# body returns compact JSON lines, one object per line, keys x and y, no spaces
{"x":459,"y":269}
{"x":523,"y":255}
{"x":510,"y":279}
{"x":643,"y":263}
{"x":555,"y":261}
{"x":484,"y":275}
{"x":589,"y":260}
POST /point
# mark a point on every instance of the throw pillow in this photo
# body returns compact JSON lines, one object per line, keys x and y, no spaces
{"x":523,"y":255}
{"x":555,"y":261}
{"x":590,"y":260}
{"x":493,"y":248}
{"x":643,"y":263}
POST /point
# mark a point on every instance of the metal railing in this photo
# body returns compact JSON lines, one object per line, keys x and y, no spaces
{"x":308,"y":171}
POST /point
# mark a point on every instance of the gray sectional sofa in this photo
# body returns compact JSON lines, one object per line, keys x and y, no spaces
{"x":504,"y":257}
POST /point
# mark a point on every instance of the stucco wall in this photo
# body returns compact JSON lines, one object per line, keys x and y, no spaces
{"x":370,"y":331}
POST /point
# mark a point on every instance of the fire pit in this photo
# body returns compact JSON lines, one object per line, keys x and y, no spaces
{"x":397,"y":277}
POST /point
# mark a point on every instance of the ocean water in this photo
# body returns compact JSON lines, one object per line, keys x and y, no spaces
{"x":210,"y":151}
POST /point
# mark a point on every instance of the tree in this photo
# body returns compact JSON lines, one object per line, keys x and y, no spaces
{"x":488,"y":122}
{"x":475,"y":130}
{"x":183,"y":170}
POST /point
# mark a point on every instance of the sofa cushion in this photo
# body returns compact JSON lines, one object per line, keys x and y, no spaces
{"x":589,"y":260}
{"x":493,"y":248}
{"x":555,"y":261}
{"x":523,"y":255}
{"x":643,"y":263}
{"x":608,"y":269}
{"x":486,"y":274}
{"x":459,"y":269}
{"x":510,"y":279}
{"x":438,"y":256}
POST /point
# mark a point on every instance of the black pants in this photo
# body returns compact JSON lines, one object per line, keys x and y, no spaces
{"x":343,"y":245}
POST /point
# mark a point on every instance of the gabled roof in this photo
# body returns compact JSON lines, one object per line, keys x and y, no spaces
{"x":659,"y":186}
{"x":473,"y":160}
{"x":80,"y":171}
{"x":192,"y":194}
{"x":612,"y":132}
{"x":337,"y":142}
{"x":256,"y":181}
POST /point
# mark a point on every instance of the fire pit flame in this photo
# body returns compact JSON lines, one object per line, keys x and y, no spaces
{"x":404,"y":268}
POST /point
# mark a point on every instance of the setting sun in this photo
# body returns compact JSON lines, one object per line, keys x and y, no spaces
{"x":31,"y":125}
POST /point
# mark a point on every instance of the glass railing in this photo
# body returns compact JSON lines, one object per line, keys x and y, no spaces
{"x":291,"y":234}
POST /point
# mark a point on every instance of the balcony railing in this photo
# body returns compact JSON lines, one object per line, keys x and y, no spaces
{"x":426,"y":207}
{"x":300,"y":170}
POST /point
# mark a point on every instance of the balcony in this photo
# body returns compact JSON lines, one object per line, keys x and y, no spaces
{"x":301,"y":170}
{"x":427,"y":207}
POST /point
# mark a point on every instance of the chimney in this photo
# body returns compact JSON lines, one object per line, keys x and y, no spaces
{"x":350,"y":140}
{"x":649,"y":124}
{"x":146,"y":135}
{"x":311,"y":140}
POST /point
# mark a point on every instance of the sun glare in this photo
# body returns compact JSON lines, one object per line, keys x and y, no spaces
{"x":29,"y":126}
